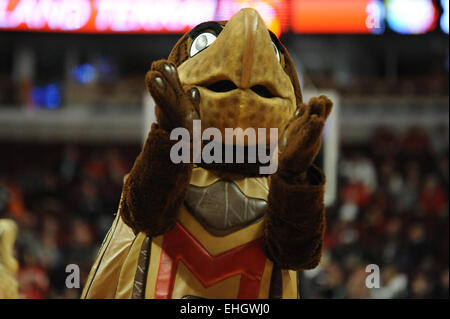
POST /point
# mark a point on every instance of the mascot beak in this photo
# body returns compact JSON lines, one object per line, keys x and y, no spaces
{"x":241,"y":78}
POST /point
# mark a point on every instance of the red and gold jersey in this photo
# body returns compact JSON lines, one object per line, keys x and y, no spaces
{"x":215,"y":249}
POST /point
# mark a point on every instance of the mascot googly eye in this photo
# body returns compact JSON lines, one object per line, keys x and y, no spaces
{"x":201,"y":42}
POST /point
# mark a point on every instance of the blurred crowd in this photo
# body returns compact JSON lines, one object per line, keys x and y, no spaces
{"x":392,"y":212}
{"x":63,"y":198}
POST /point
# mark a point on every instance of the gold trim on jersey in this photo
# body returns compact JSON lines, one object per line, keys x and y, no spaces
{"x":104,"y":275}
{"x":216,"y":245}
{"x":126,"y":277}
{"x":187,"y":284}
{"x":257,"y":187}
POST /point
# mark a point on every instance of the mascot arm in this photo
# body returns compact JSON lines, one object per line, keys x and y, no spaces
{"x":155,"y":188}
{"x":295,"y":223}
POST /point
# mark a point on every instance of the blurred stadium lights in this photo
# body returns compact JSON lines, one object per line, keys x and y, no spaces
{"x":48,"y":96}
{"x":376,"y":14}
{"x":177,"y":16}
{"x":133,"y":16}
{"x":411,"y":17}
{"x":445,"y":16}
{"x":84,"y":73}
{"x":329,"y":16}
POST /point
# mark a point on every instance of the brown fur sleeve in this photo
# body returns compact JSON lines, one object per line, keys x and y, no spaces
{"x":155,"y":187}
{"x":295,"y":220}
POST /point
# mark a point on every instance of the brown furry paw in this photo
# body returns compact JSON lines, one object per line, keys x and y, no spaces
{"x":176,"y":105}
{"x":302,"y":138}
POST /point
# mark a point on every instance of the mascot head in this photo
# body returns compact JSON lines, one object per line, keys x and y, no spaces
{"x":245,"y":76}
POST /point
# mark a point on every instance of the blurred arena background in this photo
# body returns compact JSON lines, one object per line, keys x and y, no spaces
{"x":73,"y":112}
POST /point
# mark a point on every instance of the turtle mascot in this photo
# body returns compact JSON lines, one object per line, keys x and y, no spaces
{"x":219,"y":229}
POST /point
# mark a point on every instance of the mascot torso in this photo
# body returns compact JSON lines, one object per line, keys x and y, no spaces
{"x":214,"y":251}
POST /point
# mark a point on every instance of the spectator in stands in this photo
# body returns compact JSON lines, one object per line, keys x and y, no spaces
{"x":433,"y":198}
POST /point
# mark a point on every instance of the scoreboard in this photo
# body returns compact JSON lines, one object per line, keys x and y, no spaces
{"x":178,"y":16}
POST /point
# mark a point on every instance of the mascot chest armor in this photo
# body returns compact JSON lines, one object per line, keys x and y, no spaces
{"x":215,"y":230}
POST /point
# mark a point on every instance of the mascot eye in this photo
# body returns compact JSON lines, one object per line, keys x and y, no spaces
{"x":276,"y":52}
{"x":201,"y":42}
